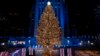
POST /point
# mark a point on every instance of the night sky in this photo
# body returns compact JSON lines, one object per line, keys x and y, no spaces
{"x":82,"y":16}
{"x":15,"y":17}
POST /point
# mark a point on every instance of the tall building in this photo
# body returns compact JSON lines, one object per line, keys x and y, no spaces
{"x":58,"y":7}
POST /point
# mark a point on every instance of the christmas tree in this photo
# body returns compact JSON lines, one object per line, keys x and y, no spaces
{"x":48,"y":30}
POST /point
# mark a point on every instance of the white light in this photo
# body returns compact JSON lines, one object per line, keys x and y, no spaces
{"x":23,"y":42}
{"x":16,"y":51}
{"x":2,"y":43}
{"x":88,"y":41}
{"x":29,"y":41}
{"x":80,"y":43}
{"x":36,"y":46}
{"x":92,"y":43}
{"x":14,"y":44}
{"x":68,"y":41}
{"x":48,"y":3}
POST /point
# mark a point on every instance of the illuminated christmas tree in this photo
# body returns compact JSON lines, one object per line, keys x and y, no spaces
{"x":48,"y":30}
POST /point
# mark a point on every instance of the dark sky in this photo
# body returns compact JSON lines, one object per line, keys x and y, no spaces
{"x":14,"y":16}
{"x":82,"y":16}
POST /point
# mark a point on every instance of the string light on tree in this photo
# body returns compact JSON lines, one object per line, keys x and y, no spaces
{"x":48,"y":30}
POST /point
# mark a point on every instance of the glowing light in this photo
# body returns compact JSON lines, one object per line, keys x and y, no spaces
{"x":14,"y":44}
{"x":2,"y":43}
{"x":80,"y":43}
{"x":36,"y":46}
{"x":88,"y":41}
{"x":29,"y":41}
{"x":92,"y":43}
{"x":24,"y":43}
{"x":48,"y":3}
{"x":68,"y":41}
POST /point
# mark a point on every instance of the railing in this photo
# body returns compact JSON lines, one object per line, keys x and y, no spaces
{"x":83,"y":40}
